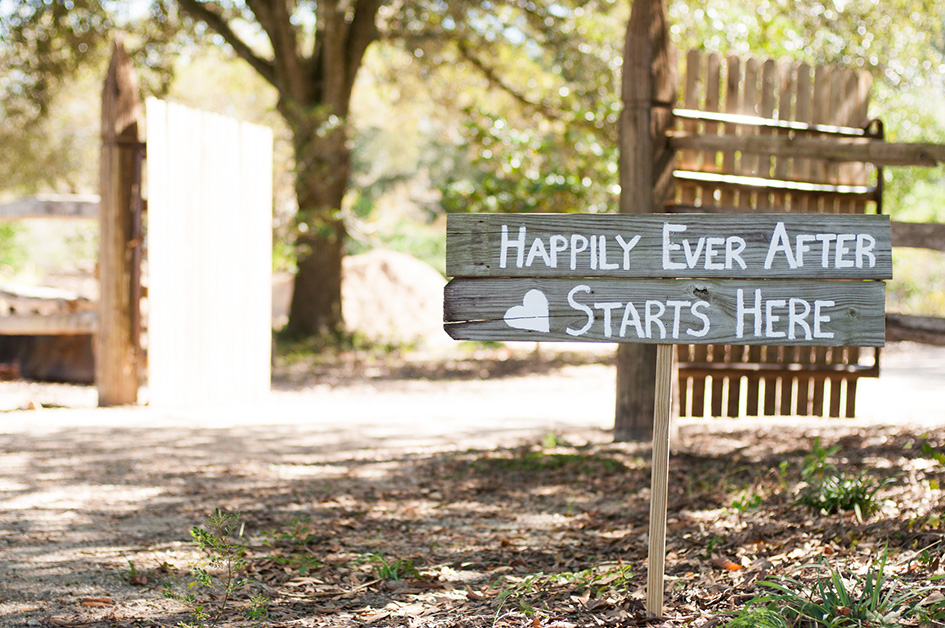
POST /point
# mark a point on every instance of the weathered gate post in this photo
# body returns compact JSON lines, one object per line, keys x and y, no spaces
{"x":116,"y":372}
{"x":646,"y":167}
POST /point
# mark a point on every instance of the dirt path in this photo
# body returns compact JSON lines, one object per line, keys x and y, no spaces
{"x":90,"y":497}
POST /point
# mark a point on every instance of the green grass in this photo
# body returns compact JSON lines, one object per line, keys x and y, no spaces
{"x":841,"y":492}
{"x":838,"y":600}
{"x":392,"y":570}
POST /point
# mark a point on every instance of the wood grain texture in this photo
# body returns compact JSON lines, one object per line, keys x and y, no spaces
{"x":475,"y":243}
{"x":116,"y":360}
{"x":478,"y":309}
{"x":928,"y":330}
{"x":919,"y":235}
{"x":66,"y":324}
{"x":659,"y":481}
{"x":828,"y":148}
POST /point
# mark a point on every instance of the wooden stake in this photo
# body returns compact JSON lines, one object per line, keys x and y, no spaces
{"x":659,"y":480}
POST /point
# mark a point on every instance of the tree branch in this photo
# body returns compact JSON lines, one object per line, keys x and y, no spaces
{"x":362,"y":33}
{"x":275,"y":18}
{"x":201,"y":11}
{"x":493,"y":78}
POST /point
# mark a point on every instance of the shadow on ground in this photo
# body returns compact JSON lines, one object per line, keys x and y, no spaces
{"x":94,"y":523}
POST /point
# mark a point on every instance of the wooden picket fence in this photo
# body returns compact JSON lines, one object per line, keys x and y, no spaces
{"x":736,"y":99}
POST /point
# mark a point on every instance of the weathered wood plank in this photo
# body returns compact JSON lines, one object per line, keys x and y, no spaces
{"x":49,"y":324}
{"x":666,"y":311}
{"x":830,"y":148}
{"x":928,"y":330}
{"x":116,"y":358}
{"x":504,"y":245}
{"x":82,"y":206}
{"x":919,"y":235}
{"x":797,"y":124}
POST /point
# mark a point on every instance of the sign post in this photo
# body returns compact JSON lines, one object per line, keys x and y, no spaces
{"x":659,"y":481}
{"x":765,"y":279}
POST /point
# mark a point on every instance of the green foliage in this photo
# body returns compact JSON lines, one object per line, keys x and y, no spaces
{"x":815,"y":464}
{"x":292,"y":544}
{"x":747,"y":500}
{"x":595,"y":582}
{"x":219,"y":575}
{"x":385,"y":569}
{"x":918,"y":284}
{"x":830,"y":490}
{"x":755,"y":617}
{"x":932,"y":453}
{"x":875,"y":600}
{"x":837,"y":492}
{"x":12,"y":250}
{"x":567,"y":169}
{"x":54,"y":55}
{"x":543,"y":135}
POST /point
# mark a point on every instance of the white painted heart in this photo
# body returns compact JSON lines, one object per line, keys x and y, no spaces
{"x":531,"y":315}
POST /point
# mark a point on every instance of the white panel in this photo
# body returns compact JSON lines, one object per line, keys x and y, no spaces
{"x":210,"y":257}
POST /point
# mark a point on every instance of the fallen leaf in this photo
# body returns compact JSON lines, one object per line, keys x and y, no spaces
{"x":97,"y":602}
{"x":139,"y":579}
{"x":726,"y":564}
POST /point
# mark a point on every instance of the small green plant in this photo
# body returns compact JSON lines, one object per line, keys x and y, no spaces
{"x":399,"y":569}
{"x":747,"y":500}
{"x":299,"y":533}
{"x":875,"y":600}
{"x":755,"y":617}
{"x":257,"y":610}
{"x":844,"y":493}
{"x":815,"y":463}
{"x":932,"y":453}
{"x":706,"y":552}
{"x":219,"y":573}
{"x":594,"y":582}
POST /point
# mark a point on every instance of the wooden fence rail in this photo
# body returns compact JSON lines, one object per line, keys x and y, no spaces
{"x":84,"y":206}
{"x":833,"y":149}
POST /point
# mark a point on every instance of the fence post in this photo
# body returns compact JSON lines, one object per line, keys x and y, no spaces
{"x":646,"y":167}
{"x":116,"y":371}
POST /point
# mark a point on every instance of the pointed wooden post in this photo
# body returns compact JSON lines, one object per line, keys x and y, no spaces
{"x":116,"y":372}
{"x":646,"y":182}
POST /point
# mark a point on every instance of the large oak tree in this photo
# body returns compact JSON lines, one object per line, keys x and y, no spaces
{"x":313,"y":56}
{"x":310,"y":52}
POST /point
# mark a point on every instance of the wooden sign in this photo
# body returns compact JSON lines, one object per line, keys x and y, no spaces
{"x":577,"y":277}
{"x":763,"y":246}
{"x":791,"y":279}
{"x":663,"y":311}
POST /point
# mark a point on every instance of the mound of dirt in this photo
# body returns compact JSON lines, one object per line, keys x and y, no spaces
{"x":387,"y":296}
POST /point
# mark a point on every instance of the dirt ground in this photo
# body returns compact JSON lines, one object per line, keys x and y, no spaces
{"x":468,"y":491}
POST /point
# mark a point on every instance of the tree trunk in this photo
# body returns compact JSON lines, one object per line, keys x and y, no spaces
{"x":323,"y":161}
{"x":648,"y":94}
